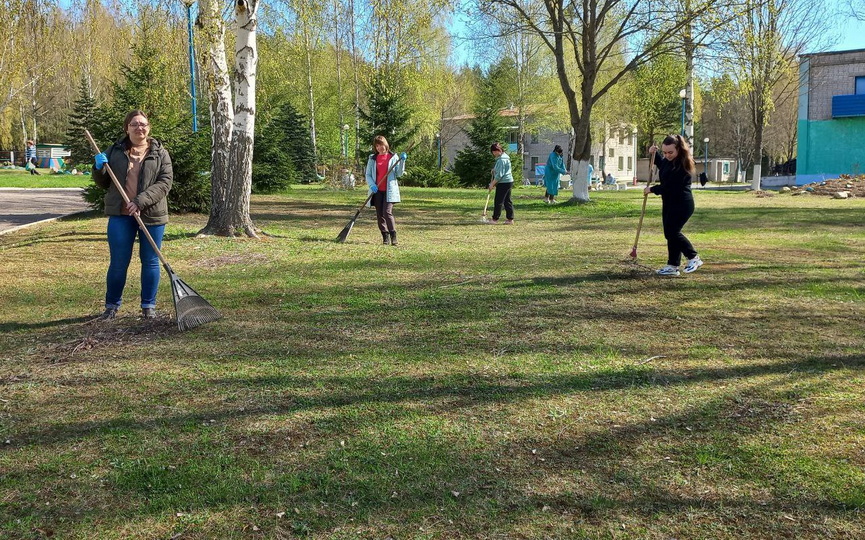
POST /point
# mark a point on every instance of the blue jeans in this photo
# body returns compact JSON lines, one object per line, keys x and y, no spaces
{"x":122,"y":231}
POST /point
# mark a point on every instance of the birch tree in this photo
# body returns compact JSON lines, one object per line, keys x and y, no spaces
{"x":233,"y":134}
{"x":763,"y":51}
{"x":590,"y":35}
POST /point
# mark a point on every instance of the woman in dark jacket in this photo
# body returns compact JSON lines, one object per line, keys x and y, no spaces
{"x":143,"y":167}
{"x":675,"y":171}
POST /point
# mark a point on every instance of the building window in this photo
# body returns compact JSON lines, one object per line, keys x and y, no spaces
{"x":592,"y":160}
{"x":726,"y":167}
{"x":534,"y":138}
{"x":534,"y":164}
{"x":630,"y":163}
{"x":622,"y":136}
{"x":611,"y":153}
{"x":513,"y":137}
{"x":860,"y":85}
{"x":621,"y":163}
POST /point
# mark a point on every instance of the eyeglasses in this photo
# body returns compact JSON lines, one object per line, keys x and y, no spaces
{"x":137,"y":125}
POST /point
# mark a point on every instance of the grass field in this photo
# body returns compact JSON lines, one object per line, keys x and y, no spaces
{"x":22,"y":179}
{"x":474,"y":382}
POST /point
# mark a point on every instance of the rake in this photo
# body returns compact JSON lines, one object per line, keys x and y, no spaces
{"x":633,"y":253}
{"x":343,"y":234}
{"x":190,"y":308}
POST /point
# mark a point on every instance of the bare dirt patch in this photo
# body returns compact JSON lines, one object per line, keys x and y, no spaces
{"x":231,"y":259}
{"x":97,"y":334}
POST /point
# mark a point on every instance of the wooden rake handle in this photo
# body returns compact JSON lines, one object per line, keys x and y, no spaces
{"x":645,"y":198}
{"x":126,"y":199}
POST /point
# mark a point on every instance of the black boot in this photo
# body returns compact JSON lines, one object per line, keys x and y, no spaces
{"x":385,"y":239}
{"x":393,"y":241}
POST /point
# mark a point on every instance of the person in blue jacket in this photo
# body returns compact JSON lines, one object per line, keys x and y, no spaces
{"x":384,"y":187}
{"x":503,"y":180}
{"x":555,"y":167}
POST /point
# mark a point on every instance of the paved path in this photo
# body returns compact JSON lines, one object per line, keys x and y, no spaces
{"x":22,"y":207}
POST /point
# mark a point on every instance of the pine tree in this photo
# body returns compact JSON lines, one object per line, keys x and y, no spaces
{"x":284,"y":153}
{"x":474,"y":162}
{"x":82,"y":117}
{"x":147,"y":83}
{"x":388,"y":112}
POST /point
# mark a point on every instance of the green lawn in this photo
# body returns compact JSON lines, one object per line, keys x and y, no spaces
{"x":22,"y":179}
{"x":474,"y":382}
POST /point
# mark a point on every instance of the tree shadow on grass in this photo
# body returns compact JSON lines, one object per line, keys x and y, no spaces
{"x":403,"y":456}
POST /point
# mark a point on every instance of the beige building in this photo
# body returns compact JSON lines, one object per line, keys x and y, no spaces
{"x":615,"y":155}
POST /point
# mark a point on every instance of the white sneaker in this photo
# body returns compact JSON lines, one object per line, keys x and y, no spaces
{"x":668,"y":270}
{"x":693,"y":264}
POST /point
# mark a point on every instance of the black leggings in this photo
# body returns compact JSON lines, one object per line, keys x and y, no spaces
{"x":674,"y":215}
{"x":503,"y":197}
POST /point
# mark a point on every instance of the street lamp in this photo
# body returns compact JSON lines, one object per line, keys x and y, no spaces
{"x":706,"y":158}
{"x":191,"y":47}
{"x":439,"y":143}
{"x":344,"y":136}
{"x":684,"y":95}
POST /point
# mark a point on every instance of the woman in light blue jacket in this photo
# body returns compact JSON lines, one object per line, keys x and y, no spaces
{"x":384,"y":187}
{"x":554,"y":168}
{"x":503,"y":181}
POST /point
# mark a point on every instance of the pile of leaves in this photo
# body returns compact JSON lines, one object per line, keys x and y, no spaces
{"x":854,"y":185}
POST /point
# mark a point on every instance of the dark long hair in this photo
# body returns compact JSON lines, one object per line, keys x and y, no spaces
{"x":684,"y":158}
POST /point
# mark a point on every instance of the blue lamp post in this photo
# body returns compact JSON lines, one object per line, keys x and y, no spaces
{"x":192,"y":66}
{"x":684,"y":95}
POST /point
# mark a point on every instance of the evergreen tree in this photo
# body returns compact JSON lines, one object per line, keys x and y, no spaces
{"x":473,"y":163}
{"x":147,"y":83}
{"x":82,"y":117}
{"x":388,"y":112}
{"x":284,"y":153}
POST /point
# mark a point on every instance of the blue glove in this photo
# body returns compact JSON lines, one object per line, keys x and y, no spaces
{"x":403,"y":156}
{"x":374,"y":189}
{"x":100,"y":160}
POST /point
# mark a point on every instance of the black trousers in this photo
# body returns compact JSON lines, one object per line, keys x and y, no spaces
{"x":383,"y":212}
{"x":503,"y":198}
{"x":674,"y":214}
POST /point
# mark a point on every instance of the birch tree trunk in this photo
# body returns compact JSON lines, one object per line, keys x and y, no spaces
{"x":233,"y":137}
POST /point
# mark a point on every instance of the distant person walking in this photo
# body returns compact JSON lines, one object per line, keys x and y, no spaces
{"x":554,"y":169}
{"x":503,"y":181}
{"x":384,"y":186}
{"x":676,"y":171}
{"x":30,"y":157}
{"x":143,"y":167}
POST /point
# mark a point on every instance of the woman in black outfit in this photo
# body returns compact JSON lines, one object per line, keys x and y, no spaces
{"x":675,"y":170}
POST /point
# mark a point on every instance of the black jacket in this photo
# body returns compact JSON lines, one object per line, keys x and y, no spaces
{"x":675,"y":181}
{"x":154,"y":182}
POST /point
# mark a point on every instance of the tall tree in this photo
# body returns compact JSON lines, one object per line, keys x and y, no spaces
{"x":591,"y":35}
{"x":231,"y":185}
{"x":765,"y":43}
{"x":82,"y":117}
{"x":387,"y":112}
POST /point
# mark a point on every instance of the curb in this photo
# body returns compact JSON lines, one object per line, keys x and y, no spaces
{"x":41,"y":189}
{"x":49,"y":220}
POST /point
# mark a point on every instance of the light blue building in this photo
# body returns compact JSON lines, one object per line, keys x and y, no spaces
{"x":831,"y":125}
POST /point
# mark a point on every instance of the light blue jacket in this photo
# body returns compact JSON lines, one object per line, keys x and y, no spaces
{"x":502,"y":170}
{"x":392,"y":185}
{"x":554,"y":168}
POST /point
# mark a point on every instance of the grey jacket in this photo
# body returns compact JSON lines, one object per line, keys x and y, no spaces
{"x":154,"y":182}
